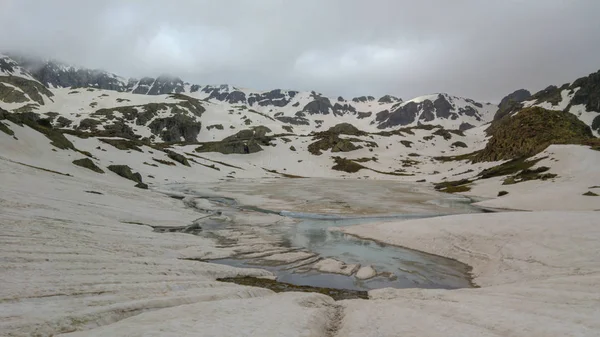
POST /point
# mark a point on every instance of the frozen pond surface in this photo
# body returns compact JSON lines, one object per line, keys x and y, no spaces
{"x":306,"y":236}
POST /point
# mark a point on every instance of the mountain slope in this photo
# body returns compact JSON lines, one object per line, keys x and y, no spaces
{"x":580,"y":98}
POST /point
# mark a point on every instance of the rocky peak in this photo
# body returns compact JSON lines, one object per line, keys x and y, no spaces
{"x":511,"y":102}
{"x":389,"y":99}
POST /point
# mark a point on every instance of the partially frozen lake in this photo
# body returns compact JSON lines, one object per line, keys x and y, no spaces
{"x":293,"y":238}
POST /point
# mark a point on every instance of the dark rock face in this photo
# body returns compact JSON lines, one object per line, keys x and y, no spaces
{"x":166,"y":85}
{"x":300,"y":114}
{"x":551,"y":94}
{"x":342,"y":109}
{"x":194,"y":88}
{"x":465,"y":126}
{"x":382,"y":115}
{"x":477,"y":104}
{"x":511,"y":102}
{"x":236,"y":97}
{"x":588,"y":93}
{"x":443,"y":108}
{"x":428,"y":109}
{"x":596,"y":123}
{"x":177,"y":126}
{"x":293,"y":120}
{"x":7,"y":65}
{"x":319,"y":106}
{"x":363,"y":99}
{"x":63,"y":122}
{"x":143,"y":86}
{"x":389,"y":99}
{"x":275,"y":97}
{"x":403,"y":115}
{"x":363,"y":115}
{"x":469,"y":111}
{"x":340,"y":99}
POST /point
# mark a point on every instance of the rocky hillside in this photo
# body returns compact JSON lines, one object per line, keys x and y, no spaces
{"x":580,"y":98}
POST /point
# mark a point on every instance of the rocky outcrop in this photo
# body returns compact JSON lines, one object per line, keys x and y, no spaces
{"x":588,"y":92}
{"x":363,"y":99}
{"x":125,"y":172}
{"x":88,"y":164}
{"x":293,"y":120}
{"x":244,"y":142}
{"x":318,"y":106}
{"x":403,"y":115}
{"x":389,"y":99}
{"x":331,"y":140}
{"x":530,"y":131}
{"x":277,"y":97}
{"x":177,"y":128}
{"x":511,"y":102}
{"x":34,"y":90}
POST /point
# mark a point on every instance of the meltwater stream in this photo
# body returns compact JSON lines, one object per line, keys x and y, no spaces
{"x":396,"y":267}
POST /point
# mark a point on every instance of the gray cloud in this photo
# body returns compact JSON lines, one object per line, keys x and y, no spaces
{"x":478,"y":49}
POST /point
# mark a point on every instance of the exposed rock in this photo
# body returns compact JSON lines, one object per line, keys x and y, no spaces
{"x":531,"y":131}
{"x":33,"y":89}
{"x":389,"y":99}
{"x":459,"y":144}
{"x":319,"y":105}
{"x":363,"y":115}
{"x":173,"y":129}
{"x":511,"y":103}
{"x":177,"y":157}
{"x":293,"y":120}
{"x":428,"y":111}
{"x":88,"y":164}
{"x":342,"y":109}
{"x":403,"y":115}
{"x":330,"y":139}
{"x":588,"y":93}
{"x":166,"y":84}
{"x":215,"y":126}
{"x":596,"y":123}
{"x":443,"y":108}
{"x":125,"y":172}
{"x":244,"y":142}
{"x":277,"y":97}
{"x":88,"y":124}
{"x":363,"y":99}
{"x":465,"y":126}
{"x":9,"y":94}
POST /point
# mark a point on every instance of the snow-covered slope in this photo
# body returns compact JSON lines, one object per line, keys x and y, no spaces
{"x":304,"y":111}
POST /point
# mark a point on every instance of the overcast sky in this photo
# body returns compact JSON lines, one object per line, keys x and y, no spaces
{"x":480,"y":49}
